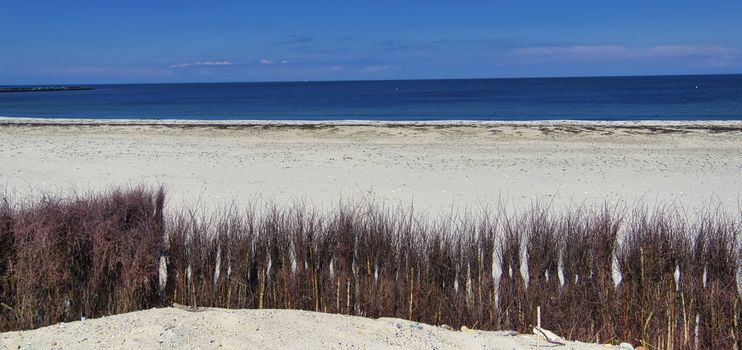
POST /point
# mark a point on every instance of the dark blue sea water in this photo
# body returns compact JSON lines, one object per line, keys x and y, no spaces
{"x":600,"y":98}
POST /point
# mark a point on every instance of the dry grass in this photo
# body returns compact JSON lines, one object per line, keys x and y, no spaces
{"x":62,"y":259}
{"x":82,"y":257}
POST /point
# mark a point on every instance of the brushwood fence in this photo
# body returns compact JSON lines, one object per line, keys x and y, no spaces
{"x":649,"y":277}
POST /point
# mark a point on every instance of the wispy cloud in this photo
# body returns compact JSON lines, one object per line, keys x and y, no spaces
{"x":685,"y":50}
{"x":375,"y":69}
{"x":705,"y":55}
{"x":201,"y":63}
{"x":105,"y":70}
{"x":461,"y":41}
{"x":574,"y":52}
{"x":398,"y":45}
{"x":312,"y":49}
{"x":468,"y":42}
{"x":327,"y":69}
{"x":294,"y":39}
{"x":711,"y":55}
{"x":265,"y":61}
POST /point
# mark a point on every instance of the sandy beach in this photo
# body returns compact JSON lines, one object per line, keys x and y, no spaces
{"x":435,"y":165}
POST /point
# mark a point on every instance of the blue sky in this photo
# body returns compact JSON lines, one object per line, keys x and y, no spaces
{"x":199,"y":41}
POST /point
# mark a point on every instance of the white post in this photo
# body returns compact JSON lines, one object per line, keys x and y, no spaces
{"x":538,"y":326}
{"x":538,"y":317}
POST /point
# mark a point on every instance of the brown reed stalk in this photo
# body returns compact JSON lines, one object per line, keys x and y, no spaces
{"x":7,"y":255}
{"x":603,"y":227}
{"x":577,"y":262}
{"x":542,"y":251}
{"x":717,"y":248}
{"x":511,"y":287}
{"x":102,"y":255}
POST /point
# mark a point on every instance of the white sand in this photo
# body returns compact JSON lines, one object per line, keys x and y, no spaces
{"x":172,"y":328}
{"x":435,"y":165}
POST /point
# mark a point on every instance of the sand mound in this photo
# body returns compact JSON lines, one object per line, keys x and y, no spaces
{"x":259,"y":329}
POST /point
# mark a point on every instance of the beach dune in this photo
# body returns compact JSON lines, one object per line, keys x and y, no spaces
{"x":174,"y":328}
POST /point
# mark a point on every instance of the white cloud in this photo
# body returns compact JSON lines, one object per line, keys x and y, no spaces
{"x":267,"y":61}
{"x":201,"y":63}
{"x":718,"y":56}
{"x":683,"y":50}
{"x":96,"y":70}
{"x":724,"y":60}
{"x":374,"y":69}
{"x":708,"y":55}
{"x":573,"y":52}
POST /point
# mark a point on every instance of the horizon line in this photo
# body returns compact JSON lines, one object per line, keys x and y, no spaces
{"x":379,"y":80}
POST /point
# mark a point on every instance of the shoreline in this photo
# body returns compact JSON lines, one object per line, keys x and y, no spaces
{"x":37,"y":121}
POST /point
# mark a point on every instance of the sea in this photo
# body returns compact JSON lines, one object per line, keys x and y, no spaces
{"x":689,"y":97}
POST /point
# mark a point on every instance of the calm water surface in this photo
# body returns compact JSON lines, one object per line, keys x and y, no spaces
{"x":601,"y":98}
